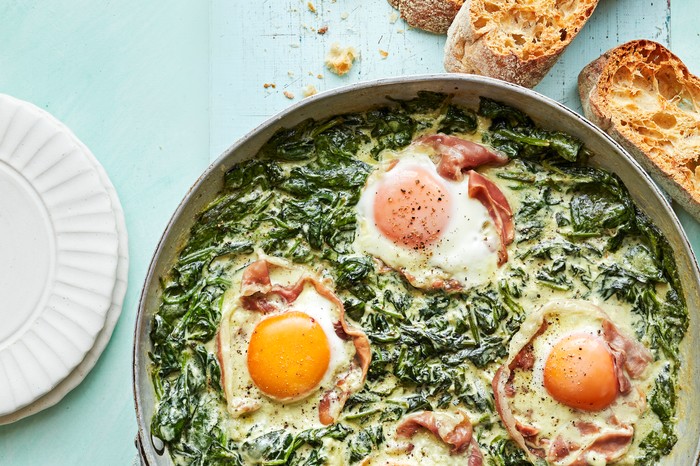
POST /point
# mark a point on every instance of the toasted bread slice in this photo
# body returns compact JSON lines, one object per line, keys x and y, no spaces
{"x":513,"y":40}
{"x":643,"y":96}
{"x":430,"y":15}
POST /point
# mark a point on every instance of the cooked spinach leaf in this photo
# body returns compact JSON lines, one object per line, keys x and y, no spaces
{"x":591,"y":212}
{"x":657,"y":444}
{"x":503,"y":115}
{"x":515,"y":134}
{"x":279,"y":447}
{"x":458,"y":120}
{"x":367,"y":440}
{"x":506,"y":453}
{"x":390,"y":129}
{"x":424,"y":103}
{"x":339,"y":136}
{"x":663,"y":398}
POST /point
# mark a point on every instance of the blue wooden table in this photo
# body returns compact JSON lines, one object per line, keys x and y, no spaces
{"x":159,"y":89}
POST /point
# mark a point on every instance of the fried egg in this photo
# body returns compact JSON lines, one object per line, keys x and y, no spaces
{"x":574,"y":386}
{"x":283,"y":349}
{"x":425,"y":226}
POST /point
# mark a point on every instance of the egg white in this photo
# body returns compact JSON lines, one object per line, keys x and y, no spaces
{"x":256,"y":413}
{"x":466,"y":251}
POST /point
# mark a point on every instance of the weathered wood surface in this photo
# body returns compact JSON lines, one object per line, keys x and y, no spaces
{"x":158,"y":89}
{"x":278,"y":42}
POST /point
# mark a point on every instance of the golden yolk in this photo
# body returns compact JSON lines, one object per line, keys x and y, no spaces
{"x":411,"y":207}
{"x":288,"y":355}
{"x":580,"y":373}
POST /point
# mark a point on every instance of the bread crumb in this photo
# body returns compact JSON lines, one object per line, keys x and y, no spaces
{"x":383,"y":53}
{"x":340,"y":59}
{"x":393,"y":17}
{"x":267,"y":85}
{"x":290,"y":74}
{"x":344,"y":15}
{"x":311,"y":7}
{"x":322,"y":30}
{"x":399,"y":31}
{"x":319,"y":76}
{"x":288,"y":95}
{"x":309,"y":90}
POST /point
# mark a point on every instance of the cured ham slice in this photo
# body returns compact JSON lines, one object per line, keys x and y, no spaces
{"x":631,"y":357}
{"x":611,"y":446}
{"x":486,"y":192}
{"x":453,"y":429}
{"x":458,"y":155}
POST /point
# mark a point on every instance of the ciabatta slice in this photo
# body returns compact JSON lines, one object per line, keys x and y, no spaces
{"x":430,"y":15}
{"x":514,"y":40}
{"x":643,"y":96}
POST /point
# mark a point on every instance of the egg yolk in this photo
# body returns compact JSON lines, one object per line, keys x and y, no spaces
{"x":580,"y":373}
{"x":411,"y":207}
{"x":288,"y":355}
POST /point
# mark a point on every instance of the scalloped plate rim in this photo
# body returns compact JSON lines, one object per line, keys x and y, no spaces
{"x":109,"y":295}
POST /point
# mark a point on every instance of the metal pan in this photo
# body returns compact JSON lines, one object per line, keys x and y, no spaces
{"x":467,"y":89}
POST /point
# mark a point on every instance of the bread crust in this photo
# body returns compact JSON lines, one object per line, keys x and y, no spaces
{"x":647,"y":100}
{"x":429,"y":15}
{"x":522,"y":51}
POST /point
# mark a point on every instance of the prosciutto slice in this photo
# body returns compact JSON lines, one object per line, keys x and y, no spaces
{"x":611,"y":443}
{"x":458,"y":155}
{"x":259,"y":294}
{"x":486,"y":192}
{"x":453,"y":429}
{"x":630,"y":356}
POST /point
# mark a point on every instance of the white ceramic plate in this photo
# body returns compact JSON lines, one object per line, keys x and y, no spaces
{"x":59,"y":252}
{"x":80,"y":372}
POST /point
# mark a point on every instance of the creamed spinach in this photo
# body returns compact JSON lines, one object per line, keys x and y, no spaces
{"x":578,"y":235}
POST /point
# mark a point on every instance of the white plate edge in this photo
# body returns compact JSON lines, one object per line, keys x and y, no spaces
{"x":78,"y":374}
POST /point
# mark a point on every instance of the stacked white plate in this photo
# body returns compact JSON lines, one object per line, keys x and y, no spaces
{"x":63,"y":260}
